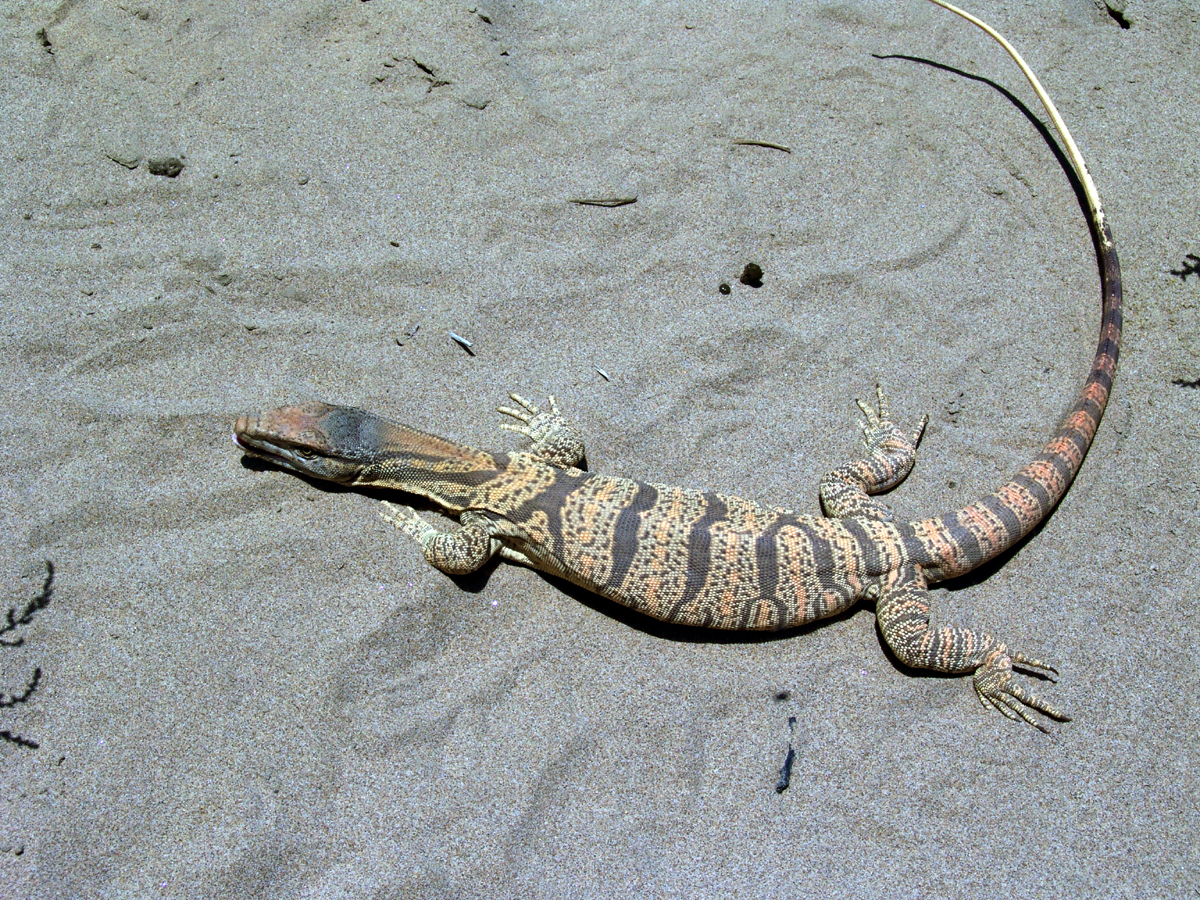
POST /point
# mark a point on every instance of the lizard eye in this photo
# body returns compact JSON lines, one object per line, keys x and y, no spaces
{"x":306,"y":454}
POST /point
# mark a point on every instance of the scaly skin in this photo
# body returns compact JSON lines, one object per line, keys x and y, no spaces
{"x":713,"y":560}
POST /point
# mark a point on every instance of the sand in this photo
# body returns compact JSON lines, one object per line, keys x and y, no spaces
{"x":252,"y":686}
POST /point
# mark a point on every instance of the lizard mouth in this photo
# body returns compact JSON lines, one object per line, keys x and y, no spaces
{"x":246,"y":446}
{"x":262,"y":450}
{"x":255,"y":440}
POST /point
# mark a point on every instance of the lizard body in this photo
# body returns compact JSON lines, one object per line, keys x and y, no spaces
{"x":710,"y":559}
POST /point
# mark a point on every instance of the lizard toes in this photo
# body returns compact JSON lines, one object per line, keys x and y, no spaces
{"x":997,"y":689}
{"x":405,"y":518}
{"x":535,"y":424}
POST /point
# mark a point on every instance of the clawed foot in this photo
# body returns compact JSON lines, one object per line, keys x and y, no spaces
{"x":997,"y":689}
{"x":536,"y":425}
{"x":406,"y":519}
{"x":891,"y":453}
{"x":554,"y":440}
{"x":881,"y":434}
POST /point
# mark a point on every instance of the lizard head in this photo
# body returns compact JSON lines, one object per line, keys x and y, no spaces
{"x":333,"y":443}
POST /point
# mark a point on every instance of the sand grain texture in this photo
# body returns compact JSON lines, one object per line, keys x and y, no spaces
{"x":254,"y":687}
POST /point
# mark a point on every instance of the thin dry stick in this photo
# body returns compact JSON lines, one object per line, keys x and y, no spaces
{"x":750,"y":142}
{"x":1089,"y":188}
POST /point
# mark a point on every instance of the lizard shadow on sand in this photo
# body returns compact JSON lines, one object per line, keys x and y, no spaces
{"x":693,"y":634}
{"x":475,"y":582}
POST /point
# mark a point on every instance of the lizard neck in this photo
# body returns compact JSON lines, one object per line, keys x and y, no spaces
{"x":450,"y":474}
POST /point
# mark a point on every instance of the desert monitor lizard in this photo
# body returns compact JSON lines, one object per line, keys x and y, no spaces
{"x":714,"y":560}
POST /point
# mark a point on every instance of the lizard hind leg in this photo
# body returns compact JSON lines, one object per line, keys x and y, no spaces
{"x":902,"y":611}
{"x":891,"y":452}
{"x":555,"y":440}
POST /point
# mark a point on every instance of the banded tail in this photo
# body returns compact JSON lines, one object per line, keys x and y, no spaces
{"x":968,"y":537}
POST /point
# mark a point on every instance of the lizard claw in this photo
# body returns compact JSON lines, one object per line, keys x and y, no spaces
{"x":997,"y":690}
{"x":881,"y":433}
{"x":537,"y":425}
{"x":555,"y":441}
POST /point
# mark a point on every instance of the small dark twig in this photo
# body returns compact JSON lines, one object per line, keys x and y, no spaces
{"x":7,"y":700}
{"x":15,"y":620}
{"x":770,"y":145}
{"x":1189,"y":266}
{"x":785,"y":773}
{"x":18,"y":739}
{"x":609,"y":202}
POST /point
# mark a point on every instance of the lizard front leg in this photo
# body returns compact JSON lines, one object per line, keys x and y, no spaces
{"x":891,"y":453}
{"x":902,"y":611}
{"x":456,"y":552}
{"x":555,"y":440}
